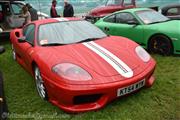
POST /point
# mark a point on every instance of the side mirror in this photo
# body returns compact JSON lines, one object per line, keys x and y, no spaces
{"x":17,"y":34}
{"x":22,"y":39}
{"x":2,"y":49}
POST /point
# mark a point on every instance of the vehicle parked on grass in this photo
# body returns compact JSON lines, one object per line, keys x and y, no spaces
{"x":10,"y":10}
{"x":171,"y":11}
{"x":147,"y":27}
{"x":80,"y":68}
{"x":109,"y":7}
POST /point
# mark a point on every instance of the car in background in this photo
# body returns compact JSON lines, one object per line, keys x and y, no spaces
{"x":80,"y":68}
{"x":10,"y":11}
{"x":145,"y":26}
{"x":109,"y":7}
{"x":171,"y":11}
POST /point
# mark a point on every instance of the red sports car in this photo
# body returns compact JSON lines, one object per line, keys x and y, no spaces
{"x":76,"y":66}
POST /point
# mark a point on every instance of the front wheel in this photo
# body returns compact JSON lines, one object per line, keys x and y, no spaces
{"x":161,"y":45}
{"x":40,"y":84}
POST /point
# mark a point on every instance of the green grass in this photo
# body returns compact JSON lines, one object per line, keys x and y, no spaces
{"x":160,"y":102}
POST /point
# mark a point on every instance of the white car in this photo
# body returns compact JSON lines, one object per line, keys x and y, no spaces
{"x":9,"y":15}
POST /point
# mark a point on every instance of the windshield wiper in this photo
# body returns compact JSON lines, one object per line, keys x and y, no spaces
{"x":87,"y":40}
{"x":53,"y":44}
{"x":90,"y":39}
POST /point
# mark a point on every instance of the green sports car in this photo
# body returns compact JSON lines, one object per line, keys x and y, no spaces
{"x":152,"y":30}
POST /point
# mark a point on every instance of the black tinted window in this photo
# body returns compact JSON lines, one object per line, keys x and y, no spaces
{"x":173,"y":11}
{"x":124,"y":18}
{"x":110,"y":19}
{"x":28,"y":32}
{"x":5,"y":8}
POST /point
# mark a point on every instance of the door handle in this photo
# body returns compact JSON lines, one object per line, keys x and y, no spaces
{"x":106,"y":29}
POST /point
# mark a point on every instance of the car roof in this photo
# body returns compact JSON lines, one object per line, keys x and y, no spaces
{"x":53,"y":20}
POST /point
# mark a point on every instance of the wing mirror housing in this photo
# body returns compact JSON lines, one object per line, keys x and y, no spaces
{"x":17,"y":33}
{"x":22,"y":39}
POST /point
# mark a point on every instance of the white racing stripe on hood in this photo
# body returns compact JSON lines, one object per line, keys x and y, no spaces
{"x":113,"y":60}
{"x":61,"y":19}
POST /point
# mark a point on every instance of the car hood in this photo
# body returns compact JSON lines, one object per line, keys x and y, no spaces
{"x":91,"y":61}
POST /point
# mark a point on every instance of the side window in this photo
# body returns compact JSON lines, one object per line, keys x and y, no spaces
{"x":28,"y":32}
{"x":17,"y":8}
{"x":6,"y":9}
{"x":124,"y":18}
{"x":172,"y":11}
{"x":110,"y":19}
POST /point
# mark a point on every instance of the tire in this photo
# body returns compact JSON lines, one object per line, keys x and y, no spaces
{"x":40,"y":84}
{"x":160,"y":44}
{"x":13,"y":53}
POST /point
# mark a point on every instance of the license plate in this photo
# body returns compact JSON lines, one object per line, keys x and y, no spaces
{"x":131,"y":88}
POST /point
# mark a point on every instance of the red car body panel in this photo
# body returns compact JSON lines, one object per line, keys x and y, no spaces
{"x":105,"y":80}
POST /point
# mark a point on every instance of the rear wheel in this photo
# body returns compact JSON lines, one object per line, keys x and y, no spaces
{"x":160,"y":44}
{"x":40,"y":84}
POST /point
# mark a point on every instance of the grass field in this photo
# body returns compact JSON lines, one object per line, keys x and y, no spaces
{"x":160,"y":102}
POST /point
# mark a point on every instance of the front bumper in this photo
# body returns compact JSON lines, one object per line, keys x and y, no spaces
{"x":65,"y":96}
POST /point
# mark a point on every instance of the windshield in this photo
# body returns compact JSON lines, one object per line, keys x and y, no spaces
{"x":151,"y":16}
{"x":68,"y":32}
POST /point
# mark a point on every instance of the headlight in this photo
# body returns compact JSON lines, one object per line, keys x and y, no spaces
{"x":71,"y":72}
{"x":142,"y":54}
